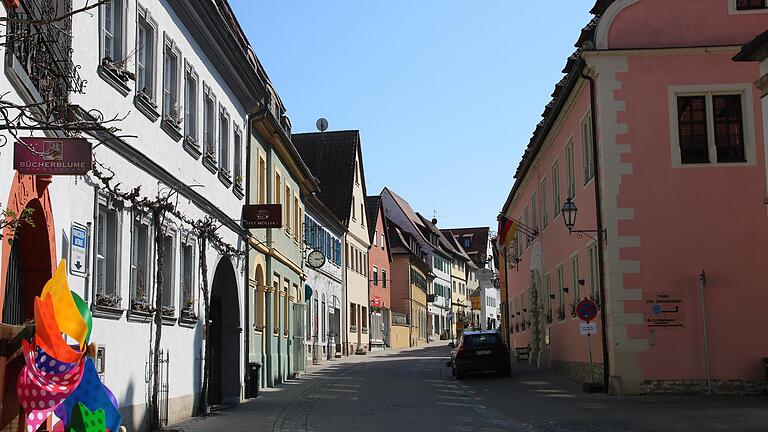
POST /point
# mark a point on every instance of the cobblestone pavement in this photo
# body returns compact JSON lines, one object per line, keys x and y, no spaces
{"x":413,"y":390}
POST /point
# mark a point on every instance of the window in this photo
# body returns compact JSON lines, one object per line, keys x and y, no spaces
{"x":353,"y":315}
{"x":276,"y":304}
{"x":171,"y":62}
{"x":287,"y":208}
{"x":375,"y":238}
{"x":362,"y":214}
{"x":548,"y":294}
{"x":593,"y":273}
{"x":382,"y":241}
{"x":535,"y":211}
{"x":298,"y":218}
{"x":146,"y":35}
{"x":107,"y":248}
{"x":140,"y":268}
{"x":112,"y":29}
{"x":169,"y":268}
{"x":729,"y":128}
{"x":364,"y":317}
{"x":286,"y":304}
{"x":384,"y":278}
{"x":276,"y":196}
{"x":750,"y":4}
{"x":209,"y":123}
{"x":262,"y":180}
{"x":711,"y":128}
{"x":238,"y":167}
{"x":375,"y":275}
{"x":692,"y":127}
{"x":587,"y":155}
{"x":527,"y":222}
{"x":224,"y":145}
{"x":543,"y":189}
{"x":353,"y":208}
{"x":467,"y":240}
{"x":188,"y":274}
{"x":576,"y":287}
{"x":570,"y":176}
{"x":190,"y":104}
{"x":357,"y":176}
{"x":454,"y":286}
{"x":560,"y":293}
{"x":556,"y":189}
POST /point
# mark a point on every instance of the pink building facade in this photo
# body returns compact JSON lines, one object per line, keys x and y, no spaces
{"x":682,"y":172}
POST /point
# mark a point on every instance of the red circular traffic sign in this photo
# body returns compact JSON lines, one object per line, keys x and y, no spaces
{"x":586,"y":310}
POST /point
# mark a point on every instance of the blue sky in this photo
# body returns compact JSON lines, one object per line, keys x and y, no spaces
{"x":445,"y":93}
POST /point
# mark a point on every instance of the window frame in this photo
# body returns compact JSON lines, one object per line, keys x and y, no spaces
{"x":209,"y":124}
{"x":122,"y":28}
{"x":143,"y":14}
{"x":560,"y":278}
{"x":587,"y":154}
{"x":222,"y":147}
{"x":237,"y":164}
{"x":570,"y":169}
{"x":107,"y":207}
{"x":142,"y":219}
{"x":556,"y":189}
{"x":171,"y":89}
{"x":169,"y":267}
{"x":191,"y":109}
{"x":187,"y":241}
{"x":748,"y":122}
{"x":733,"y":8}
{"x":573,"y":263}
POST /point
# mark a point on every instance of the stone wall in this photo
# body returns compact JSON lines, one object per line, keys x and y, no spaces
{"x":724,"y":387}
{"x":578,"y":371}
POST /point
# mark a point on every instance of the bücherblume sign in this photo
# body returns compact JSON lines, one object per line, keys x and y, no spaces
{"x":52,"y":156}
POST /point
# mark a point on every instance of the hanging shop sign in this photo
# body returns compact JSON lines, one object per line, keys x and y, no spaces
{"x":52,"y":156}
{"x":376,"y":301}
{"x":262,"y":216}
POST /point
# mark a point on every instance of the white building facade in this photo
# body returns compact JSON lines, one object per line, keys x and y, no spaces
{"x":176,"y":76}
{"x":325,"y":308}
{"x":489,"y":316}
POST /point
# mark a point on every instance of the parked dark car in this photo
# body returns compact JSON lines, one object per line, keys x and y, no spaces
{"x":480,"y":351}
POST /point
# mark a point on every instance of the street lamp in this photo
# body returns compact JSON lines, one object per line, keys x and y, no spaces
{"x":569,"y":214}
{"x":569,"y":211}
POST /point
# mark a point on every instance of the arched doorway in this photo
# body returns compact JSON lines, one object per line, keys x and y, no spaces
{"x":27,"y":273}
{"x":224,"y":337}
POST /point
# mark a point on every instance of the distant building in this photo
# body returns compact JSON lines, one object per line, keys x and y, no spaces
{"x":335,"y":158}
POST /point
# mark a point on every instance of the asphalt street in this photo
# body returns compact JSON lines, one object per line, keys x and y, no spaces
{"x":413,"y":390}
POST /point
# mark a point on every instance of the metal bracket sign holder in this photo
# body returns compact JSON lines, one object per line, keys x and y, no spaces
{"x":587,"y":311}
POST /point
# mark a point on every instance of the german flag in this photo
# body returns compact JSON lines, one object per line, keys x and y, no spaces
{"x":507,"y":229}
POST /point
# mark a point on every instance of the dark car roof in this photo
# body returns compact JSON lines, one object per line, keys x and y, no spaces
{"x":476,"y":332}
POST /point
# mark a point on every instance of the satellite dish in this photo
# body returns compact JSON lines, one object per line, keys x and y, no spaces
{"x":322,"y":124}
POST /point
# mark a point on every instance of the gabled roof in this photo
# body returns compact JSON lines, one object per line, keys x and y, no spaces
{"x":443,"y":245}
{"x":399,"y":244}
{"x":455,"y":244}
{"x":372,"y":207}
{"x":479,"y":244}
{"x":407,"y":211}
{"x":330,"y":157}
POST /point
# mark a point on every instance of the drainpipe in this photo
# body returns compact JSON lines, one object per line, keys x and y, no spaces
{"x":600,"y":231}
{"x":506,"y":302}
{"x":247,"y":284}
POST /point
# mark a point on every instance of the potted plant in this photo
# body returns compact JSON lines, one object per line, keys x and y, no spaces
{"x":561,"y":312}
{"x":173,"y":117}
{"x":139,"y":302}
{"x":168,"y":311}
{"x":111,"y":300}
{"x":188,"y":311}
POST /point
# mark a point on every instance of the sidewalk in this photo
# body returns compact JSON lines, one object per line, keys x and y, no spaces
{"x":549,"y":402}
{"x":261,"y":414}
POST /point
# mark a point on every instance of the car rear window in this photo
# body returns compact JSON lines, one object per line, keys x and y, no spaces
{"x":480,"y":339}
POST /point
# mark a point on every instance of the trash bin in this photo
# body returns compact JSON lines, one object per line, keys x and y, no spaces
{"x":253,"y":372}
